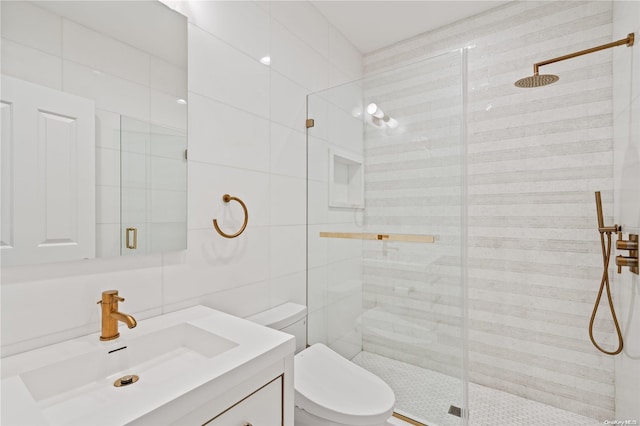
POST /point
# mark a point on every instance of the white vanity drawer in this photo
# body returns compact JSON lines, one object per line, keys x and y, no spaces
{"x":261,"y":408}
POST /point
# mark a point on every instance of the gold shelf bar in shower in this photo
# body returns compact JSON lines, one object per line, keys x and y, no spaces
{"x":409,"y":238}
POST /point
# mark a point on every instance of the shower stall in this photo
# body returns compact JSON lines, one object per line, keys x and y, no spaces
{"x":386,"y":231}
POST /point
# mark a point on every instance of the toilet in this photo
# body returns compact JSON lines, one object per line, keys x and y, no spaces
{"x":329,"y":389}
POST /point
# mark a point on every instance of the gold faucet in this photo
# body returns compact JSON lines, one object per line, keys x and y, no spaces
{"x":111,"y":316}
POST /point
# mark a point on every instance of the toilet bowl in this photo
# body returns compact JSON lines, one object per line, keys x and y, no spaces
{"x":329,"y":389}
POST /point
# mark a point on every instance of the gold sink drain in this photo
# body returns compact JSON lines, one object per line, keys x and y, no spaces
{"x":126,"y":380}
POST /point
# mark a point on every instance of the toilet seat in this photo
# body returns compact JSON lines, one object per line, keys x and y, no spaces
{"x":333,"y":388}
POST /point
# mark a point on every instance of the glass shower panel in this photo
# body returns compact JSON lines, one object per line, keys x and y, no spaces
{"x":335,"y":204}
{"x":385,"y":231}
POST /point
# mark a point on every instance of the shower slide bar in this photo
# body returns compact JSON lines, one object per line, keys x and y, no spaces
{"x":409,"y":238}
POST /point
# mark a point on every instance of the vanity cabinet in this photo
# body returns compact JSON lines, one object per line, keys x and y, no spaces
{"x":263,"y":398}
{"x":261,"y":408}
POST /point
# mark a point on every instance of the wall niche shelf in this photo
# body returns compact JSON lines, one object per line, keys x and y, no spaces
{"x":346,"y":180}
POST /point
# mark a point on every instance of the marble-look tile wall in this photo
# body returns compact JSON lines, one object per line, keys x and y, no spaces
{"x":535,"y":158}
{"x":626,"y":131}
{"x":414,"y":185}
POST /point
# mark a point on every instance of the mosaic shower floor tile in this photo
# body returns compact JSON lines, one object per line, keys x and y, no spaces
{"x":428,"y":395}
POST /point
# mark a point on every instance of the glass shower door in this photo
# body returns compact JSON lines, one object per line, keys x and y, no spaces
{"x":385,"y":209}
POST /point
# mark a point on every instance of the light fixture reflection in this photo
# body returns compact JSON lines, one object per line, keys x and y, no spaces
{"x":379,"y":118}
{"x":375,"y":110}
{"x":181,"y":101}
{"x":392,"y":123}
{"x":266,"y":60}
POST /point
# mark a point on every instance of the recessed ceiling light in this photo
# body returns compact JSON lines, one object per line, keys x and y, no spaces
{"x":181,"y":101}
{"x":266,"y":60}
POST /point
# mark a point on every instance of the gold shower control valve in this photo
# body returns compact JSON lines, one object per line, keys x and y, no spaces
{"x":630,"y":261}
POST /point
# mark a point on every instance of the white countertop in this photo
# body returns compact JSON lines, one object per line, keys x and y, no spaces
{"x":252,"y":347}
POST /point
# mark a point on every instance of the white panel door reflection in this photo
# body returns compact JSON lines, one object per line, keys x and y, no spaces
{"x":48,"y":179}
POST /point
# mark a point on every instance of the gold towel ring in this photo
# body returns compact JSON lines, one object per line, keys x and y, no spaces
{"x":226,"y":198}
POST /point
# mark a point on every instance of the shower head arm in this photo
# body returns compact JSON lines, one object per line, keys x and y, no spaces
{"x":626,"y":41}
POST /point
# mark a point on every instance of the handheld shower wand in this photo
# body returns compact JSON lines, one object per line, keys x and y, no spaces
{"x":604,"y":282}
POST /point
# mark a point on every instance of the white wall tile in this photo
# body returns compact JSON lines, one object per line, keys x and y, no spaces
{"x":288,"y":288}
{"x":288,"y":102}
{"x":318,"y":167}
{"x":243,"y":25}
{"x":343,"y":55}
{"x":242,"y":82}
{"x":212,"y":264}
{"x":30,"y":64}
{"x":288,"y":200}
{"x":168,"y":206}
{"x":139,"y":287}
{"x":165,"y":110}
{"x":135,"y":135}
{"x":110,"y":93}
{"x":345,"y":131}
{"x":288,"y":151}
{"x":240,"y":301}
{"x":133,"y":169}
{"x":108,"y":239}
{"x":107,"y":129}
{"x":166,"y":142}
{"x":292,"y":58}
{"x":318,"y":278}
{"x":107,"y":167}
{"x":107,"y":204}
{"x":337,"y":77}
{"x":207,"y":185}
{"x":317,"y":333}
{"x":134,"y":206}
{"x":99,"y":52}
{"x":303,"y":20}
{"x":318,"y":203}
{"x":168,"y":237}
{"x":32,"y":26}
{"x":318,"y":248}
{"x":168,"y":173}
{"x":222,"y":134}
{"x":286,"y":250}
{"x":167,"y":77}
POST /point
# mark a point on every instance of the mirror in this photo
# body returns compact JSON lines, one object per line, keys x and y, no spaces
{"x":94,"y":121}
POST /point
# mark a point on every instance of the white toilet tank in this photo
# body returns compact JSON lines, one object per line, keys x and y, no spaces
{"x":289,"y":317}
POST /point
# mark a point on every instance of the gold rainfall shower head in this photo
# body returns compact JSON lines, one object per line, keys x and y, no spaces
{"x":537,"y":80}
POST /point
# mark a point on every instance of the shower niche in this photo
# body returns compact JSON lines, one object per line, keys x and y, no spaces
{"x":346,"y":180}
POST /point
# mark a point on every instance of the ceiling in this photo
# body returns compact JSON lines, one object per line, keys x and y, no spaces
{"x":371,"y":25}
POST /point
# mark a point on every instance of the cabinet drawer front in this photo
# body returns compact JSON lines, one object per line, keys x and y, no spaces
{"x":261,"y":408}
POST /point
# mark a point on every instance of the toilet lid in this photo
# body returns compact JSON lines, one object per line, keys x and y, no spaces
{"x":333,"y":388}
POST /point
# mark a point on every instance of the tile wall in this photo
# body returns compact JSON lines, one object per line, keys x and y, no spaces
{"x":535,"y":158}
{"x":626,"y":131}
{"x":414,"y":185}
{"x":247,"y":138}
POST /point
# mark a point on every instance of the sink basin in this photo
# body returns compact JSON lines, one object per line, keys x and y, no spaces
{"x":154,"y":357}
{"x":173,"y":355}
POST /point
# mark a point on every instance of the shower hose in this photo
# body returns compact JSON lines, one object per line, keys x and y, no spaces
{"x":604,"y":283}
